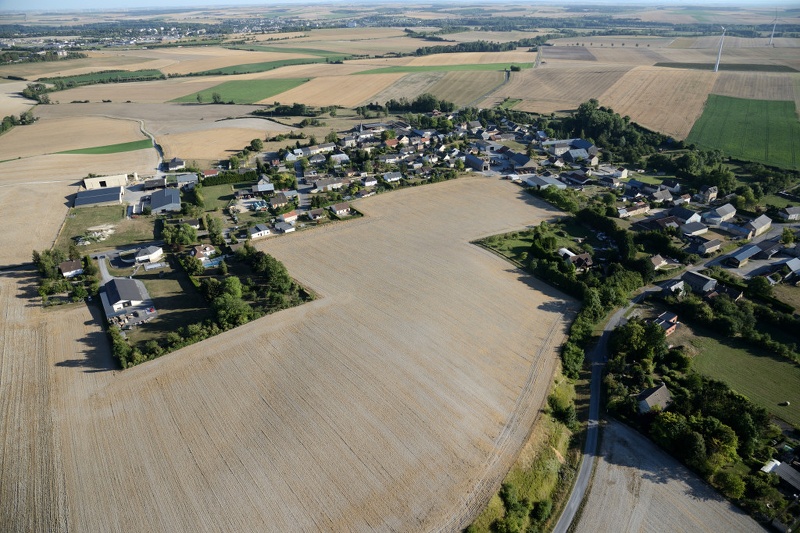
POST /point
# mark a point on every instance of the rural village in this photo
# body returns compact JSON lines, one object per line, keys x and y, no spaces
{"x":499,"y":279}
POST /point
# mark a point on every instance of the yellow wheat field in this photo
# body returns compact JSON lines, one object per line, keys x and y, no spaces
{"x":465,"y":87}
{"x":396,"y":401}
{"x":661,"y":99}
{"x":347,"y":91}
{"x":756,"y":85}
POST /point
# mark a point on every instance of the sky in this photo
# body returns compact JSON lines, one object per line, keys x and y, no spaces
{"x":37,"y":5}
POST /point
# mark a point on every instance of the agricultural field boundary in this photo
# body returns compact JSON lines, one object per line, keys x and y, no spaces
{"x":445,"y":68}
{"x":112,"y":148}
{"x":244,"y":91}
{"x":734,"y":67}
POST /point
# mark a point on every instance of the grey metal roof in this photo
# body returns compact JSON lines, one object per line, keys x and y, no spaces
{"x":99,"y":196}
{"x":125,"y":289}
{"x":163,"y":198}
{"x":745,"y":252}
{"x":760,"y":222}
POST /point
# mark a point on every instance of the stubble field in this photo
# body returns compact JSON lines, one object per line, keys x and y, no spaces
{"x":397,"y":400}
{"x":348,"y":91}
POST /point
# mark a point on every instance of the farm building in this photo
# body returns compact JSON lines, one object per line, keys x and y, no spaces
{"x":719,"y":215}
{"x":155,"y":183}
{"x":104,"y":196}
{"x":699,"y":283}
{"x":768,"y":249}
{"x":661,"y":195}
{"x":340,"y":209}
{"x":165,"y":200}
{"x":150,"y":254}
{"x":672,"y":185}
{"x":284,"y":227}
{"x":741,"y":256}
{"x":693,"y":229}
{"x":99,"y":182}
{"x":759,"y":225}
{"x":640,"y":208}
{"x":176,"y":164}
{"x":70,"y":269}
{"x":790,"y":213}
{"x":709,"y":246}
{"x":187,"y":180}
{"x":543,"y":182}
{"x":667,"y":321}
{"x":685,"y":215}
{"x":327,"y":184}
{"x":659,"y":397}
{"x":476,"y":163}
{"x":258,"y":231}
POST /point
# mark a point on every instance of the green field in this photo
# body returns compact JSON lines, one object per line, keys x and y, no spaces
{"x":109,"y":76}
{"x":734,"y":67}
{"x":765,"y":131}
{"x":765,"y":379}
{"x":445,"y":68}
{"x":258,"y":67}
{"x":113,"y":148}
{"x":245,"y":91}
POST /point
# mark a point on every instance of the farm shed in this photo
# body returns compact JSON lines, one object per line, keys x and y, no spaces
{"x":543,"y":182}
{"x":698,"y":282}
{"x":104,"y":196}
{"x":149,"y":254}
{"x":719,"y":215}
{"x":99,"y":182}
{"x":743,"y":255}
{"x":759,"y":225}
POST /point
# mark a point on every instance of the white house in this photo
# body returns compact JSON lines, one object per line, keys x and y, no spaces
{"x":759,"y":225}
{"x":289,"y":217}
{"x":151,"y":254}
{"x":258,"y":231}
{"x":340,"y":209}
{"x":70,"y":269}
{"x":719,"y":215}
{"x":369,"y":181}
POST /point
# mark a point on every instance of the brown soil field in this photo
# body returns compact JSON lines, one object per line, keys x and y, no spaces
{"x":47,"y":136}
{"x":11,"y":103}
{"x":347,"y":91}
{"x":409,"y":86}
{"x":465,"y":87}
{"x":638,"y":487}
{"x":594,"y":41}
{"x":661,"y":99}
{"x":141,"y":92}
{"x":214,"y":144}
{"x":396,"y":401}
{"x":493,"y":36}
{"x":757,"y":85}
{"x":521,"y":55}
{"x":547,"y":89}
{"x":629,"y":55}
{"x":572,"y":53}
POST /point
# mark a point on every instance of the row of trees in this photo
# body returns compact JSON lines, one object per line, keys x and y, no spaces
{"x":10,"y":121}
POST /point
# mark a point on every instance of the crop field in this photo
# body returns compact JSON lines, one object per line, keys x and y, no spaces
{"x":756,"y":85}
{"x":113,"y":148}
{"x":650,"y":96}
{"x":348,"y":413}
{"x":68,"y":133}
{"x":348,"y":91}
{"x":773,"y":131}
{"x":148,"y":92}
{"x":112,"y":76}
{"x":629,"y":56}
{"x":249,"y":68}
{"x":545,"y":90}
{"x":496,"y":67}
{"x":638,"y":487}
{"x":72,"y":67}
{"x":11,"y":102}
{"x":569,"y":53}
{"x":207,"y":145}
{"x":245,"y":91}
{"x":462,"y":88}
{"x":212,"y":58}
{"x":519,"y":56}
{"x":766,"y":379}
{"x":410,"y":86}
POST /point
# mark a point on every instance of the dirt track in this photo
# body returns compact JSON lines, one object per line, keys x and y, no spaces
{"x":396,"y":401}
{"x":638,"y":487}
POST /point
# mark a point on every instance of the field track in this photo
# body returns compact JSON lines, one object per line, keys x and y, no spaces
{"x":396,"y":401}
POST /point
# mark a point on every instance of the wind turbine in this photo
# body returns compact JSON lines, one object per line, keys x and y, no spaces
{"x":719,"y":54}
{"x":775,"y":23}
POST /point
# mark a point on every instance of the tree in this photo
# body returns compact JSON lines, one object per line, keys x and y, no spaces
{"x":178,"y":234}
{"x":216,"y":98}
{"x":730,"y":484}
{"x":331,"y":137}
{"x":256,"y":145}
{"x":231,"y":311}
{"x":759,"y":285}
{"x":787,"y":237}
{"x":199,"y":98}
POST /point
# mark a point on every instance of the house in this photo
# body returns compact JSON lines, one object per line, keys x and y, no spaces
{"x":278,"y":201}
{"x":476,"y":163}
{"x":609,"y":181}
{"x":654,"y":397}
{"x":699,"y":283}
{"x":709,"y":246}
{"x":682,"y":199}
{"x":263,"y":186}
{"x":673,"y":287}
{"x":665,"y":223}
{"x":328,"y":184}
{"x":522,"y":163}
{"x":187,"y":180}
{"x":694,"y":229}
{"x":258,"y":231}
{"x":119,"y":180}
{"x":70,"y":269}
{"x":165,"y":200}
{"x":210,"y":173}
{"x":176,"y":164}
{"x":284,"y":227}
{"x":790,"y":213}
{"x":203,"y":252}
{"x":155,"y":183}
{"x":392,"y":177}
{"x":289,"y":217}
{"x":581,"y":262}
{"x":543,"y":182}
{"x":95,"y":197}
{"x":340,"y":159}
{"x":661,"y":195}
{"x":685,"y":215}
{"x":150,"y":254}
{"x":576,"y":177}
{"x":667,"y":321}
{"x":121,"y":293}
{"x":316,"y":214}
{"x":759,"y":225}
{"x":719,"y":215}
{"x":708,"y":193}
{"x":658,"y":262}
{"x":191,"y":222}
{"x":672,"y":185}
{"x":741,"y":256}
{"x":369,"y":181}
{"x":342,"y":209}
{"x":639,"y":208}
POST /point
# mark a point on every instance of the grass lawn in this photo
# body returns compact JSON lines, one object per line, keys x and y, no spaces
{"x":177,"y":301}
{"x":778,"y":201}
{"x":113,"y":148}
{"x":788,"y":294}
{"x":218,"y":196}
{"x":765,"y":131}
{"x":765,"y":379}
{"x":127,"y":231}
{"x":259,"y":67}
{"x":112,"y":76}
{"x":444,"y":68}
{"x":245,"y":91}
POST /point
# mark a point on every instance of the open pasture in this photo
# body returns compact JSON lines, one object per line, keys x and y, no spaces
{"x":397,"y":400}
{"x":346,"y":91}
{"x":548,"y":89}
{"x":69,"y":133}
{"x":773,"y":131}
{"x":244,"y":91}
{"x":651,"y":96}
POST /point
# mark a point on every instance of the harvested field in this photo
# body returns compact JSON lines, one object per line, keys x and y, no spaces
{"x":712,"y":41}
{"x":629,"y":56}
{"x":11,"y":103}
{"x":73,"y":67}
{"x":492,"y":36}
{"x":348,"y":91}
{"x":69,"y":133}
{"x":398,"y":400}
{"x":756,"y":85}
{"x":595,"y":42}
{"x":410,"y":86}
{"x":214,"y":143}
{"x":521,"y":55}
{"x":139,"y":92}
{"x":545,"y":90}
{"x":463,"y":88}
{"x":665,"y":100}
{"x":201,"y":59}
{"x":572,"y":53}
{"x":638,"y":487}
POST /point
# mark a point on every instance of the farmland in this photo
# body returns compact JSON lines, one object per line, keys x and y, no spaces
{"x":110,"y":76}
{"x":244,"y":91}
{"x":113,"y":148}
{"x":772,"y":126}
{"x":445,"y":68}
{"x":389,"y":405}
{"x":346,"y":91}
